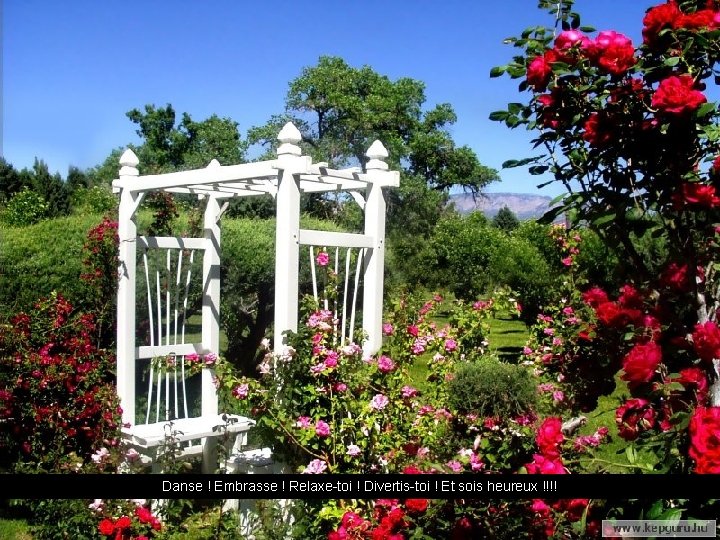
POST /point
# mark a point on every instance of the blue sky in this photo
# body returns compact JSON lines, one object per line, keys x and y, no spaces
{"x":71,"y":70}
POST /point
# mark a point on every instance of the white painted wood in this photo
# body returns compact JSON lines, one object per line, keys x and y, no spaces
{"x":287,"y":231}
{"x":343,"y":322}
{"x":146,"y":352}
{"x":171,"y":242}
{"x":334,"y":239}
{"x":375,"y":210}
{"x":313,"y":274}
{"x":211,"y":301}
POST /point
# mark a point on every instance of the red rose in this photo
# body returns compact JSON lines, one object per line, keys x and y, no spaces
{"x":716,"y":165}
{"x":594,"y":297}
{"x":706,"y":340}
{"x":633,"y":417}
{"x":677,"y":95}
{"x":696,"y":194}
{"x":611,"y":314}
{"x":676,"y":277}
{"x":416,"y":506}
{"x":612,"y":52}
{"x":705,"y":440}
{"x":704,"y":18}
{"x":549,"y":437}
{"x":539,"y":70}
{"x":694,"y":377}
{"x":463,"y":529}
{"x":630,"y":297}
{"x":542,"y":465}
{"x":659,"y":18}
{"x":598,"y":130}
{"x":641,"y":362}
{"x":123,"y":523}
{"x":106,"y":527}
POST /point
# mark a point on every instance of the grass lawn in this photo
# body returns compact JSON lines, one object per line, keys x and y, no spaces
{"x":14,"y":529}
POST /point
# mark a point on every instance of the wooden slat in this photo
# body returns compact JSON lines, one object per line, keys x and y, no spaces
{"x":165,"y":350}
{"x":334,"y":239}
{"x":171,"y":242}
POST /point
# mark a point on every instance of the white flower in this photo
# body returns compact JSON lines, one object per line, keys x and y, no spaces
{"x":97,"y":505}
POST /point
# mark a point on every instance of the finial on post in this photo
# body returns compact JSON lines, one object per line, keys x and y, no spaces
{"x":129,"y":162}
{"x":377,"y":154}
{"x":289,"y":136}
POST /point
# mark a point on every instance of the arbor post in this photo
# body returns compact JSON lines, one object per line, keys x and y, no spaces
{"x":373,"y":283}
{"x":127,"y":236}
{"x":287,"y":234}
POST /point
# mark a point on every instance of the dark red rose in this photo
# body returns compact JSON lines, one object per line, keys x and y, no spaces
{"x":598,"y":130}
{"x":416,"y":506}
{"x":677,"y":95}
{"x":633,"y":417}
{"x":594,"y":297}
{"x":694,"y":378}
{"x":106,"y":527}
{"x":641,"y":362}
{"x":706,"y":341}
{"x":705,"y":440}
{"x":659,"y":18}
{"x":696,"y":194}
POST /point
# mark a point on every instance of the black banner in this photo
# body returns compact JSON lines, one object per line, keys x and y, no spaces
{"x":349,"y":486}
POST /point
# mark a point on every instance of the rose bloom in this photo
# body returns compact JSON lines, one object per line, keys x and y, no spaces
{"x":716,"y":165}
{"x":549,"y":437}
{"x":303,"y":422}
{"x":702,"y":18}
{"x":379,"y":402}
{"x":694,"y":378}
{"x":241,"y":391}
{"x":706,"y":340}
{"x":408,"y":391}
{"x":416,"y":506}
{"x":316,"y":466}
{"x":594,"y":297}
{"x":612,"y":52}
{"x":633,"y":417}
{"x":659,"y":18}
{"x":675,"y":276}
{"x":597,"y":131}
{"x":353,"y":450}
{"x":322,"y":259}
{"x":676,"y":95}
{"x":641,"y":362}
{"x":387,"y":329}
{"x":106,"y":527}
{"x":705,"y":440}
{"x":694,"y":193}
{"x":567,"y":40}
{"x":542,"y":465}
{"x":322,"y":429}
{"x":539,"y":70}
{"x":385,"y":364}
{"x":450,"y":345}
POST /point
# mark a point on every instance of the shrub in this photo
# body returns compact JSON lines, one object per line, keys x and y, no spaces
{"x":94,"y":200}
{"x":491,"y":388}
{"x":57,"y":394}
{"x":25,"y":208}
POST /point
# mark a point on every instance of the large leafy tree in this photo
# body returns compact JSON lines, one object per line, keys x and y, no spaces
{"x":340,"y":110}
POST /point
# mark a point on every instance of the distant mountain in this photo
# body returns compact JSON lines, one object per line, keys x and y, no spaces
{"x":523,"y":205}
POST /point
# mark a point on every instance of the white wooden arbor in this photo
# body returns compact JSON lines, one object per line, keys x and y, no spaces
{"x":284,"y":178}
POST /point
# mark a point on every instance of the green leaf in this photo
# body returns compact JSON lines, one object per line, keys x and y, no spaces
{"x":705,"y":109}
{"x":672,"y":61}
{"x":499,"y":116}
{"x":497,"y":71}
{"x":605,"y":218}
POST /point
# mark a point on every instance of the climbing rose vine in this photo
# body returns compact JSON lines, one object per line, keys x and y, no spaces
{"x":632,"y":133}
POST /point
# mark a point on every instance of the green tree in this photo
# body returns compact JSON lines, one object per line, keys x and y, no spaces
{"x":10,"y":181}
{"x":169,"y":147}
{"x":506,"y":220}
